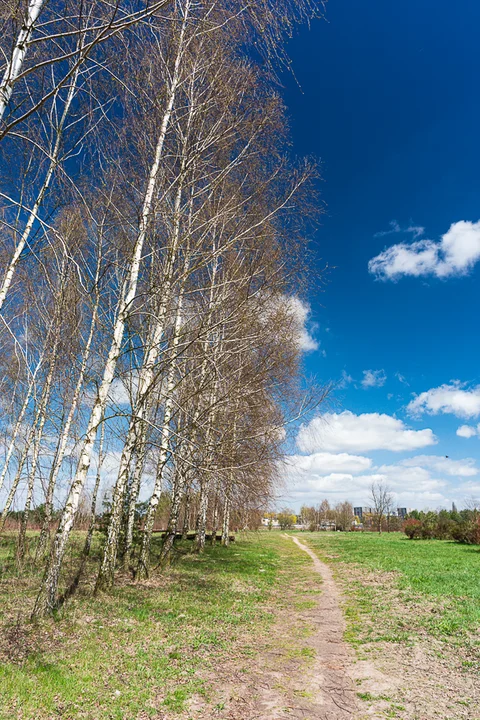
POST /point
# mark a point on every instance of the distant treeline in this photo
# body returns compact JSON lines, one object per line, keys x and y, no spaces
{"x":462,"y":526}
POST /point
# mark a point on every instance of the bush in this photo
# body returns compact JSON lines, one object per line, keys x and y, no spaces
{"x":467,"y":531}
{"x":463,"y":526}
{"x":412,"y":528}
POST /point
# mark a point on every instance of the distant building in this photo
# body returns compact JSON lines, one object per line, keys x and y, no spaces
{"x":454,"y":507}
{"x":402,"y":513}
{"x":273,"y":522}
{"x":361,"y":511}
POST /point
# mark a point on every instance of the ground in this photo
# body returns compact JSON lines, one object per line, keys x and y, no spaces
{"x":363,"y":627}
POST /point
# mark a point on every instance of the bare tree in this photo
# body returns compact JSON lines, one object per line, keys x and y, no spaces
{"x":344,"y":516}
{"x":381,"y":500}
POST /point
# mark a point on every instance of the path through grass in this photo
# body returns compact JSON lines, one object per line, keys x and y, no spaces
{"x":439,"y":571}
{"x":144,"y":650}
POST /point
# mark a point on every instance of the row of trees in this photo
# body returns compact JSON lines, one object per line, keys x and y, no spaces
{"x":378,"y":516}
{"x":323,"y":516}
{"x":153,"y":232}
{"x":462,"y":526}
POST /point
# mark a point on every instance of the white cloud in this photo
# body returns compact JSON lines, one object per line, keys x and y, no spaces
{"x":454,"y":254}
{"x":401,"y":478}
{"x":415,"y":230}
{"x":301,"y":311}
{"x":420,"y":482}
{"x":325,"y":463}
{"x":444,"y":465}
{"x":412,"y":486}
{"x":345,"y":380}
{"x":445,"y":399}
{"x":348,"y":432}
{"x":402,"y":379}
{"x":373,"y":378}
{"x":119,"y":393}
{"x":467,"y":431}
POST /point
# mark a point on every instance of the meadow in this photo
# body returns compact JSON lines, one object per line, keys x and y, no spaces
{"x":144,"y":650}
{"x":438,"y":571}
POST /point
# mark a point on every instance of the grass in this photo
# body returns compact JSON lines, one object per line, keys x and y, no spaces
{"x":445,"y":575}
{"x":143,"y":649}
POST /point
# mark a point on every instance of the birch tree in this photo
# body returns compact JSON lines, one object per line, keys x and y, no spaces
{"x":48,"y":593}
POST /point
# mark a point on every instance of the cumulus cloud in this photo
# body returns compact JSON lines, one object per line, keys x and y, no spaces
{"x":454,"y":254}
{"x":444,"y":465}
{"x":413,"y":486}
{"x":468,"y":431}
{"x":401,"y":478}
{"x":301,"y":311}
{"x":373,"y":378}
{"x":448,"y":399}
{"x":419,"y":481}
{"x":347,"y":432}
{"x":331,"y":463}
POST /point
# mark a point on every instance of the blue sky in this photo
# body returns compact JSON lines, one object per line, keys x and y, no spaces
{"x":389,"y":102}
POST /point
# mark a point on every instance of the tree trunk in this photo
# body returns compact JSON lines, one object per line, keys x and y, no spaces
{"x":164,"y":443}
{"x":88,"y":540}
{"x":226,"y":522}
{"x":19,"y":423}
{"x":145,"y":384}
{"x":47,"y":597}
{"x":14,"y":66}
{"x":59,"y":456}
{"x":33,"y":215}
{"x":134,"y":492}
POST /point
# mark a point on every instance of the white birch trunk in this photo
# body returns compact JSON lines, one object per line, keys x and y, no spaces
{"x":88,"y":540}
{"x":164,"y":443}
{"x":207,"y":479}
{"x":215,"y":518}
{"x":36,"y":451}
{"x":19,"y":423}
{"x":186,"y":514}
{"x":135,"y":490}
{"x":229,"y":484}
{"x":145,"y":383}
{"x":14,"y":66}
{"x":60,"y":455}
{"x":39,"y":417}
{"x":177,"y":494}
{"x":47,"y":597}
{"x":226,"y":522}
{"x":33,"y":215}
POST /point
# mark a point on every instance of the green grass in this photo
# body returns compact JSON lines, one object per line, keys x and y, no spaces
{"x":144,"y":647}
{"x":444,"y":574}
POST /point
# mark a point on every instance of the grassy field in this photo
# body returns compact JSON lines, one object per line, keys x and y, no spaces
{"x":144,"y":650}
{"x":413,"y":616}
{"x":444,"y":574}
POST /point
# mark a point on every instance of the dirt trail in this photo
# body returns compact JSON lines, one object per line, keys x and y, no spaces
{"x":305,"y":669}
{"x":334,"y":688}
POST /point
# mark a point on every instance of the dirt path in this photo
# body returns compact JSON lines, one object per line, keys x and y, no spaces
{"x":303,"y":669}
{"x":335,"y":692}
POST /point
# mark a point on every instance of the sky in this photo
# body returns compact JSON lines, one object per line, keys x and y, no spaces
{"x":386,"y":95}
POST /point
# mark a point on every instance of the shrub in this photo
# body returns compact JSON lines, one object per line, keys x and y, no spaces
{"x":467,"y":531}
{"x":412,"y":528}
